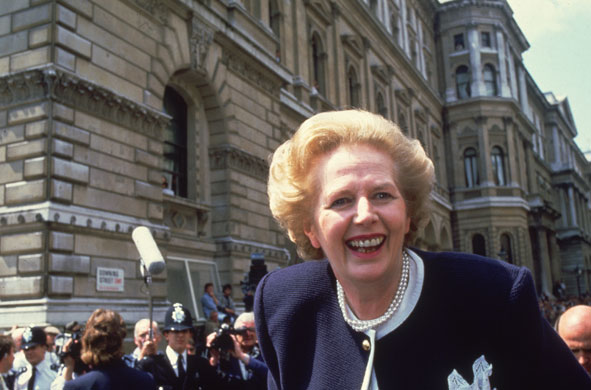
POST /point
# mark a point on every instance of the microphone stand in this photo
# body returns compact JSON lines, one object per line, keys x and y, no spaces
{"x":148,"y":281}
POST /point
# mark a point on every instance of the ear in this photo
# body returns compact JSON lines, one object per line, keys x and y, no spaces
{"x":309,"y":232}
{"x":407,"y":225}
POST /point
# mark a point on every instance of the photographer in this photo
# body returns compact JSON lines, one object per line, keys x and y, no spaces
{"x":236,"y":355}
{"x":102,"y":349}
{"x":69,"y":350}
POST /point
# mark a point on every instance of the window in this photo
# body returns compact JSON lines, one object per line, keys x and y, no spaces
{"x":186,"y":279}
{"x":459,"y":42}
{"x":463,"y":82}
{"x":478,"y":245}
{"x":274,"y":17}
{"x":381,"y":105}
{"x":318,"y":64}
{"x":353,"y":87}
{"x":506,"y":253}
{"x":174,"y":176}
{"x":471,"y":167}
{"x":485,"y":39}
{"x":490,"y":80}
{"x":498,"y":166}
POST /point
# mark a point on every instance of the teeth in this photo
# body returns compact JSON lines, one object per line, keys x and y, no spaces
{"x":366,"y":243}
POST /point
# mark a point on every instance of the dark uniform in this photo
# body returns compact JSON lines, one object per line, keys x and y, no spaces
{"x":199,"y":374}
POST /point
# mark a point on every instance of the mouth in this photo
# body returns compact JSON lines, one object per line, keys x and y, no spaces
{"x":366,"y":244}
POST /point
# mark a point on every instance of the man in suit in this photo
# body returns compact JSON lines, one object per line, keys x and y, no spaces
{"x":175,"y":369}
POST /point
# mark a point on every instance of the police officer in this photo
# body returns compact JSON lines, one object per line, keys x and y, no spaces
{"x":175,"y":369}
{"x":39,"y":374}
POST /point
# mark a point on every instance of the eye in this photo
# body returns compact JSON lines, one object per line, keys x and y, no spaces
{"x":383,"y":195}
{"x":339,"y":203}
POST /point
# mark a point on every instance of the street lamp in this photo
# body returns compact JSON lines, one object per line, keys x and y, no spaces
{"x":578,"y":273}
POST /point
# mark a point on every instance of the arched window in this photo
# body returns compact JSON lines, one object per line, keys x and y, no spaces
{"x":318,"y":64}
{"x":274,"y":17}
{"x":471,"y":167}
{"x":381,"y":105}
{"x":490,"y":80}
{"x":498,"y":166}
{"x":353,"y":86}
{"x":479,"y":245}
{"x":463,"y":82}
{"x":175,"y":144}
{"x":506,"y":253}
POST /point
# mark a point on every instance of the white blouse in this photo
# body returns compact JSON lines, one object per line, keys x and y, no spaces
{"x":409,"y":302}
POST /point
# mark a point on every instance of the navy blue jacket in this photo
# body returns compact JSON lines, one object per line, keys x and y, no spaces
{"x":469,"y":306}
{"x":114,"y":377}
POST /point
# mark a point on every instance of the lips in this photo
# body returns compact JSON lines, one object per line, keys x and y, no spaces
{"x":366,"y":244}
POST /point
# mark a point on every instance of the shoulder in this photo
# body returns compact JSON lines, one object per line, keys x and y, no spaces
{"x":474,"y":267}
{"x":309,"y":273}
{"x":307,"y":285}
{"x":476,"y":278}
{"x":84,"y":381}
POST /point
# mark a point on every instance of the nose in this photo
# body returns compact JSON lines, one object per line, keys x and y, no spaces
{"x":365,"y":212}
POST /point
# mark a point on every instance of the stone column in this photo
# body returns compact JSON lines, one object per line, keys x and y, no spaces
{"x":573,"y":212}
{"x":563,"y":210}
{"x":505,"y":90}
{"x":477,"y":86}
{"x":403,"y":28}
{"x":339,"y":66}
{"x":510,"y":162}
{"x":545,"y":269}
{"x":512,"y":72}
{"x":484,"y":149}
{"x":523,"y":92}
{"x":556,"y":144}
{"x":420,"y":50}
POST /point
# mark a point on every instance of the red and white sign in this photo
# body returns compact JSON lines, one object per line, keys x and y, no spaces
{"x":110,"y":279}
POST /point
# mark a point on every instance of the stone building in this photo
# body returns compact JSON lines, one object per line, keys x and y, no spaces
{"x":162,"y":113}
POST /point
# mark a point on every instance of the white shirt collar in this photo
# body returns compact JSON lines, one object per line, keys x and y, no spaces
{"x":409,"y":302}
{"x":173,"y":357}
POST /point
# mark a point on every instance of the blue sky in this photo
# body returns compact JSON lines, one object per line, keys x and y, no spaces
{"x":559,"y":59}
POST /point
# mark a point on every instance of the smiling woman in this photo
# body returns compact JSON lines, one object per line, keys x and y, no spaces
{"x":352,"y":190}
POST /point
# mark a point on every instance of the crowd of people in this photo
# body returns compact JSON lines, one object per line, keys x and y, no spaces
{"x":225,"y":356}
{"x":553,"y":307}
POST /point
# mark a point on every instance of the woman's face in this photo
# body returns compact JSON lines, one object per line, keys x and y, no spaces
{"x":360,"y":217}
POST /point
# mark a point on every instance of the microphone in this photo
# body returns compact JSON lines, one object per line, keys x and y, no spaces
{"x":150,"y":255}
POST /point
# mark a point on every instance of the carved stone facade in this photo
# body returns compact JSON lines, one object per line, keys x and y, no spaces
{"x":88,"y":149}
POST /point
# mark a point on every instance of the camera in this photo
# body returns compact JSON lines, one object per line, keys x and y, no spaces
{"x":73,"y":336}
{"x":223,"y":341}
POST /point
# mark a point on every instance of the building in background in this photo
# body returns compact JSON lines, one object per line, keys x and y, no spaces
{"x":163,"y":113}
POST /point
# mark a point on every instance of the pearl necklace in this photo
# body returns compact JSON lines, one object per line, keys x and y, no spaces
{"x":363,"y":325}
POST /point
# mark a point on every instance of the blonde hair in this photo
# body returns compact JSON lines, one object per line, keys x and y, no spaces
{"x":292,"y":190}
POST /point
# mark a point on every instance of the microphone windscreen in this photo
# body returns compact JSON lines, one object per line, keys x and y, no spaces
{"x":149,"y":252}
